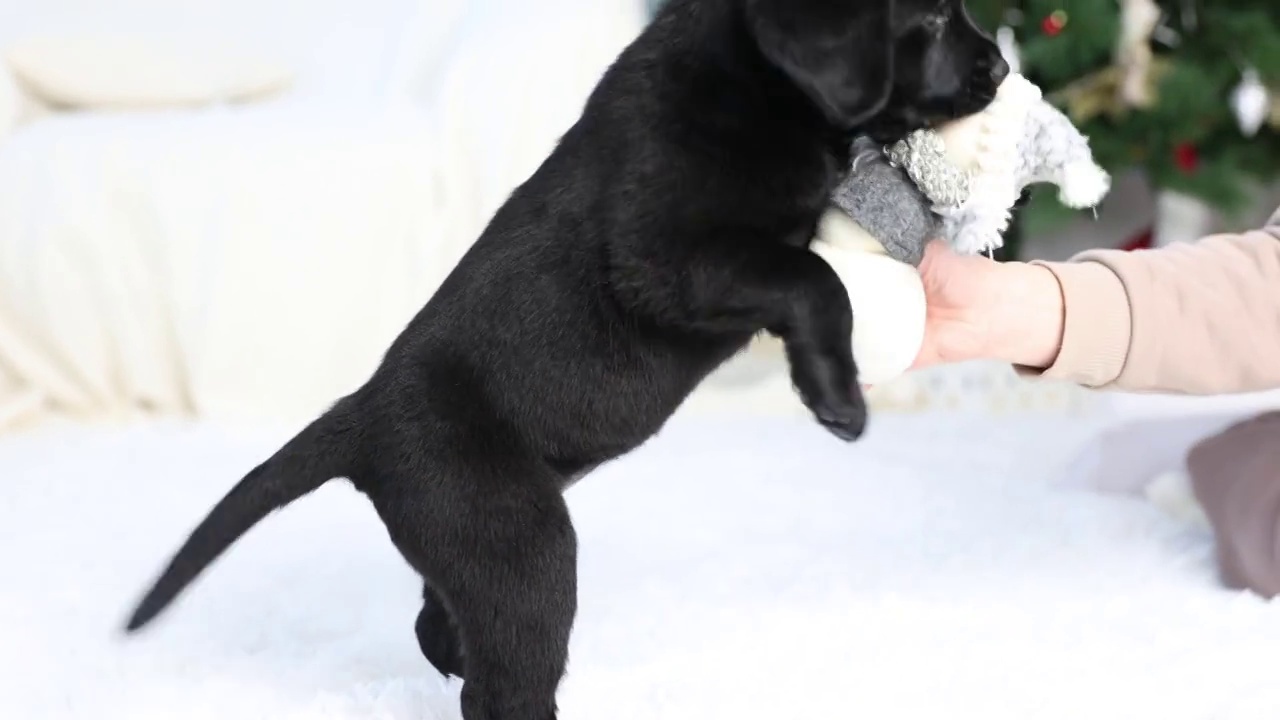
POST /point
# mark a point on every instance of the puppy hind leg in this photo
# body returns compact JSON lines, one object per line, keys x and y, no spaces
{"x":517,"y":604}
{"x":438,"y":635}
{"x":503,"y":560}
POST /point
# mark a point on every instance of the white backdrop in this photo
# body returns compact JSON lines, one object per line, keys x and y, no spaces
{"x":254,"y":262}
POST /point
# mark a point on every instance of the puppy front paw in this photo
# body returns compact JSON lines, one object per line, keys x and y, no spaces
{"x":847,"y":424}
{"x":828,"y":385}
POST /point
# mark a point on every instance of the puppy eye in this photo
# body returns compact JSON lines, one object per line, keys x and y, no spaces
{"x":935,"y":23}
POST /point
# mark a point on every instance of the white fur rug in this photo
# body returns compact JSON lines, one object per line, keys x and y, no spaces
{"x":730,"y":569}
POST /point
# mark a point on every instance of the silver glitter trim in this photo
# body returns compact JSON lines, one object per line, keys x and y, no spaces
{"x":923,"y":155}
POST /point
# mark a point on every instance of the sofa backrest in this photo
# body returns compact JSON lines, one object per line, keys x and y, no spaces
{"x":347,"y":49}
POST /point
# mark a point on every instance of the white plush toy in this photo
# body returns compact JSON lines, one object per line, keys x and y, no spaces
{"x":958,"y":183}
{"x":886,"y":295}
{"x":975,"y":169}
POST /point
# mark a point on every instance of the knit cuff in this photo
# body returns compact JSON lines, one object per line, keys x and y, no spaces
{"x":1097,"y":325}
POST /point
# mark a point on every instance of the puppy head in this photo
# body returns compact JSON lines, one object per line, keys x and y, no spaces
{"x":945,"y":67}
{"x":838,"y":52}
{"x":886,"y":67}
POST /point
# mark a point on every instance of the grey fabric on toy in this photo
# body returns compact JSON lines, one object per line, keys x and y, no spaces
{"x":883,"y":199}
{"x":1236,"y":478}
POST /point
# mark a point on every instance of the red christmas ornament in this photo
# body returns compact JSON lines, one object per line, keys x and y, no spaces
{"x":1143,"y":240}
{"x":1053,"y":23}
{"x":1186,"y":157}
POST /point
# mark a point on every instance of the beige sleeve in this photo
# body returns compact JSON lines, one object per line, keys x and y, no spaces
{"x":1190,"y":318}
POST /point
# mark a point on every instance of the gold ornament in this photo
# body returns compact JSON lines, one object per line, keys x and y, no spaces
{"x":1099,"y":94}
{"x":1133,"y":55}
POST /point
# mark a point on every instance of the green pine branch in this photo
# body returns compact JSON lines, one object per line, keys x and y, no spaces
{"x":1192,"y":93}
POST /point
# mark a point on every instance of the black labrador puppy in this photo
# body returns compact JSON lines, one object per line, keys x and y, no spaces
{"x":667,"y":228}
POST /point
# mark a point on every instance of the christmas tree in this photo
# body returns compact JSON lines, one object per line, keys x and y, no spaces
{"x":1185,"y":91}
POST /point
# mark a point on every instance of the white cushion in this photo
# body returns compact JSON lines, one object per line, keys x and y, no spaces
{"x":17,"y":106}
{"x":104,"y":71}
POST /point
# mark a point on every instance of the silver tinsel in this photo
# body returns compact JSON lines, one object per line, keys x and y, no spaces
{"x":923,"y":155}
{"x":1007,"y":41}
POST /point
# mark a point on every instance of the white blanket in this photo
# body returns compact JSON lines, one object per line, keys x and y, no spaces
{"x":730,"y":570}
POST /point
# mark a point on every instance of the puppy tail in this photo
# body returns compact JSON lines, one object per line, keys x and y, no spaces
{"x":321,"y":452}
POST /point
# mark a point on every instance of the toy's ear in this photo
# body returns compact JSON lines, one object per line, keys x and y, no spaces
{"x":839,"y":52}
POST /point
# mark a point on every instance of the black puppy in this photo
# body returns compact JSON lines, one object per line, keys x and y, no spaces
{"x":667,"y":228}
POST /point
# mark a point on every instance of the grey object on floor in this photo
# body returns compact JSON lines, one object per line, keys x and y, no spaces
{"x":885,"y":201}
{"x":1236,"y":477}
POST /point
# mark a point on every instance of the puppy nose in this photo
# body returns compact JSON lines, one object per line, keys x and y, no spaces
{"x":999,"y":70}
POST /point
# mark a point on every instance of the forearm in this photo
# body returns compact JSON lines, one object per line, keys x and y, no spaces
{"x":1069,"y":321}
{"x":1028,"y":321}
{"x":1196,"y":318}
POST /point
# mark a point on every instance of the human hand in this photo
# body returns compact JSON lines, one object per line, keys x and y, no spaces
{"x":980,"y":309}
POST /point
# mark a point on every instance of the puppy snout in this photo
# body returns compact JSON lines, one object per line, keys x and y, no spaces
{"x":987,"y":76}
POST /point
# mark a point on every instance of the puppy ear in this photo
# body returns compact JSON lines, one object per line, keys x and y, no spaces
{"x":839,"y":52}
